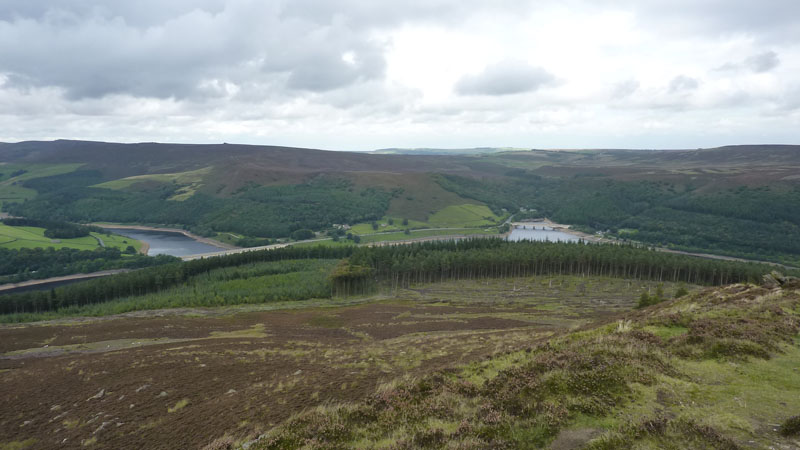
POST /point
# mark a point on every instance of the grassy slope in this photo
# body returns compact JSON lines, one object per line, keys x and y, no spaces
{"x":714,"y":369}
{"x":421,"y":195}
{"x":10,"y":191}
{"x":190,"y":182}
{"x":461,"y":216}
{"x":33,"y":237}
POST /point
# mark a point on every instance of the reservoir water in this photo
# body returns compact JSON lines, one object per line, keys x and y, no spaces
{"x":166,"y":243}
{"x":539,"y":232}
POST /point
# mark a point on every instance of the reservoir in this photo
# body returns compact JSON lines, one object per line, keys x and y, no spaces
{"x":166,"y":243}
{"x":539,"y":232}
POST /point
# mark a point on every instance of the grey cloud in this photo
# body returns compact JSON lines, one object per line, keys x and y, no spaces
{"x":769,"y":21}
{"x":682,"y":83}
{"x":505,"y":78}
{"x":763,"y":62}
{"x":171,"y":49}
{"x":371,"y":13}
{"x":93,"y":50}
{"x":759,"y":63}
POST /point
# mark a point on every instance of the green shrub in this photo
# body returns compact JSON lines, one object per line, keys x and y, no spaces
{"x":791,"y":427}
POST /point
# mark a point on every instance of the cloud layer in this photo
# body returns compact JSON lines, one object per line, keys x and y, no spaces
{"x":360,"y":74}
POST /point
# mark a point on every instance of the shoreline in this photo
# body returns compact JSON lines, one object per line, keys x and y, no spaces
{"x":204,"y":240}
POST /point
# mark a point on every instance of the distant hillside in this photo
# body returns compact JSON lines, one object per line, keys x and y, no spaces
{"x":141,"y":158}
{"x":734,"y":200}
{"x":446,"y":151}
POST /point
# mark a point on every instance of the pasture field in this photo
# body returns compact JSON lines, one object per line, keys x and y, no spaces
{"x":190,"y":182}
{"x":457,"y":218}
{"x":190,"y":376}
{"x":419,"y":234}
{"x":33,"y":237}
{"x":12,"y":176}
{"x":467,"y":215}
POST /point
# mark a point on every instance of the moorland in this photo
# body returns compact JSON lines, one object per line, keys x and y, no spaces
{"x":337,"y":342}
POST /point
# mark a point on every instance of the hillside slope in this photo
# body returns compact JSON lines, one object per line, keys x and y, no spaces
{"x":714,"y":369}
{"x":741,"y":201}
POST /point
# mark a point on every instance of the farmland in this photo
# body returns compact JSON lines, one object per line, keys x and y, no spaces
{"x":12,"y":177}
{"x":13,"y":237}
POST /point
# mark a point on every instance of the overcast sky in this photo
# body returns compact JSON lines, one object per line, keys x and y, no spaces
{"x":365,"y":74}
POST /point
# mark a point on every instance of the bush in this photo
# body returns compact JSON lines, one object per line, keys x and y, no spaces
{"x":303,"y":234}
{"x":791,"y":427}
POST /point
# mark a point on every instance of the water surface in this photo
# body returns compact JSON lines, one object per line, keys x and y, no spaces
{"x":166,"y":243}
{"x":539,"y":232}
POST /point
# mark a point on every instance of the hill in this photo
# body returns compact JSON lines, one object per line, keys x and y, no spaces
{"x":715,"y":369}
{"x":445,"y":151}
{"x":733,"y":200}
{"x":488,"y":345}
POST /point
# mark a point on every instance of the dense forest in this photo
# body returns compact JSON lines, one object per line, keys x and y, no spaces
{"x":365,"y":269}
{"x":401,"y":266}
{"x":251,"y":283}
{"x":265,"y":211}
{"x":55,"y":229}
{"x":754,"y":223}
{"x":37,"y":263}
{"x":155,"y":279}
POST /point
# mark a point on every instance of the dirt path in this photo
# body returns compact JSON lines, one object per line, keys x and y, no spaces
{"x":99,"y":240}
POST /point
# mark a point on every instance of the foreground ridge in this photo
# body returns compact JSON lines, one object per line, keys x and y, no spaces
{"x":713,"y":369}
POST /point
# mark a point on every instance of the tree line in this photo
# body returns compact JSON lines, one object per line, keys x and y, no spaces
{"x":37,"y":263}
{"x":755,"y":223}
{"x":153,"y":279}
{"x":401,"y":266}
{"x":55,"y":229}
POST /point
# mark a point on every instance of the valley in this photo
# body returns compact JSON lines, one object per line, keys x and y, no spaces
{"x":312,"y":299}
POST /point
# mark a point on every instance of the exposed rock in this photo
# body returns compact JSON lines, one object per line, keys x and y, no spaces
{"x":98,"y":395}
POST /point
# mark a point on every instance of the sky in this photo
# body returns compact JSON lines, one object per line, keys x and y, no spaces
{"x":368,"y":74}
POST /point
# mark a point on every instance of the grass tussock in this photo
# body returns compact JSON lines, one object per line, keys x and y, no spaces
{"x":600,"y":376}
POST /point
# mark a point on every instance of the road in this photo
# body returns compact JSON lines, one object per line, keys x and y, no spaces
{"x":78,"y":276}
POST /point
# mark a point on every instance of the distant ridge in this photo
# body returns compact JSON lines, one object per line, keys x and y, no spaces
{"x":447,"y":151}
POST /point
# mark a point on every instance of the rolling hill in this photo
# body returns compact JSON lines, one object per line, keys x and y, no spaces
{"x":734,"y":200}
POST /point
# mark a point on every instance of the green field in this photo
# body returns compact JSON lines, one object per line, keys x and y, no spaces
{"x":11,"y":191}
{"x":33,"y":237}
{"x":455,"y":216}
{"x":464,"y":216}
{"x":400,"y":236}
{"x":189,"y":181}
{"x":384,"y":225}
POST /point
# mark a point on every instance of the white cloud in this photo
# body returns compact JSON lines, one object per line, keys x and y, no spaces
{"x":364,"y":74}
{"x":505,"y":78}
